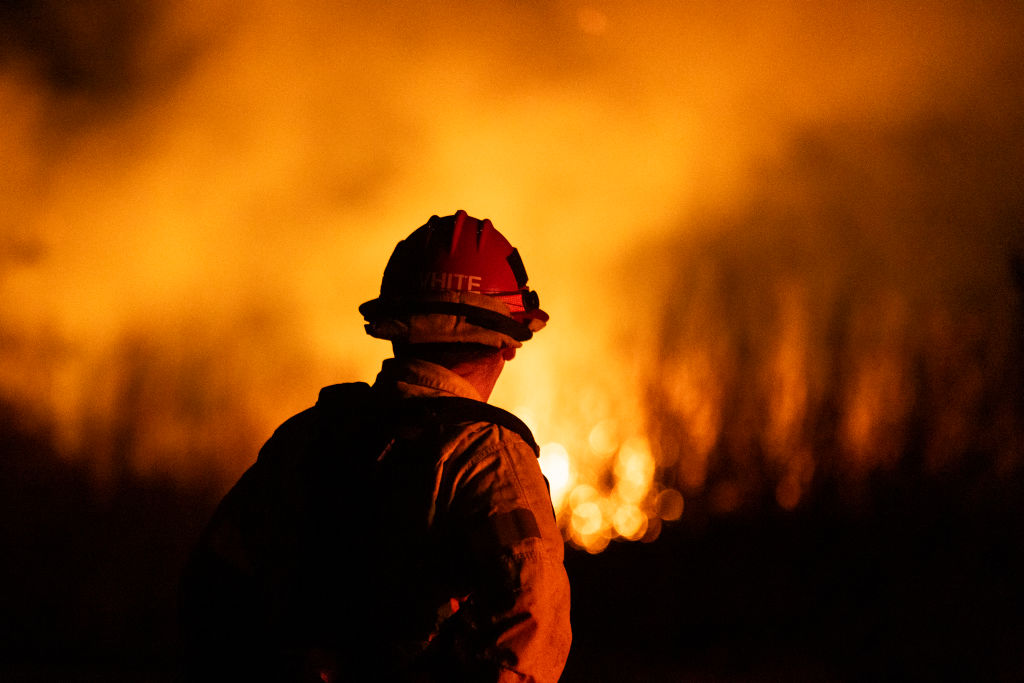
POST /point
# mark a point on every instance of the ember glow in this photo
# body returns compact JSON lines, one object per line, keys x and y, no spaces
{"x":775,"y":239}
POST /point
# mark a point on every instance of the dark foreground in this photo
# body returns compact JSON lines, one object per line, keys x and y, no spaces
{"x":921,"y":583}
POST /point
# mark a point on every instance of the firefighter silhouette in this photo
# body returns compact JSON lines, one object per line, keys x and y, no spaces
{"x":401,"y":531}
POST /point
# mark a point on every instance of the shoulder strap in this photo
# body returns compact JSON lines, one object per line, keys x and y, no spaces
{"x":352,"y":393}
{"x":454,"y":409}
{"x":434,"y":409}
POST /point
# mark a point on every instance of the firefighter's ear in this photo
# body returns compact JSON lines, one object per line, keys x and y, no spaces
{"x":508,"y":353}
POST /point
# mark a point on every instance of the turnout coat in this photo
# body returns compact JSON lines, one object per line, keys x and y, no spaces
{"x":399,"y":532}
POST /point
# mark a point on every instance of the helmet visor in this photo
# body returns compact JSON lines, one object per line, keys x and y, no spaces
{"x":518,"y":301}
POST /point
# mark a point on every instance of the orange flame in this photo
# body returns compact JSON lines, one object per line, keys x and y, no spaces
{"x":735,"y":287}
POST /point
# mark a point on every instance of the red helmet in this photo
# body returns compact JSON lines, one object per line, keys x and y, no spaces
{"x":455,"y":279}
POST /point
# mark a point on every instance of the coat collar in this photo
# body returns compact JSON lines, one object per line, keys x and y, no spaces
{"x":414,"y":377}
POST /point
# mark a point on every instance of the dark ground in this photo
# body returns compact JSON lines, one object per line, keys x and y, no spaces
{"x":919,"y":591}
{"x":923,"y":584}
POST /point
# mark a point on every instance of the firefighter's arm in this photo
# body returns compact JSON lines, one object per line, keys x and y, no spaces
{"x":521,"y":601}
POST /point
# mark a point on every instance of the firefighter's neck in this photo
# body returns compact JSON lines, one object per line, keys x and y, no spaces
{"x":483,"y":373}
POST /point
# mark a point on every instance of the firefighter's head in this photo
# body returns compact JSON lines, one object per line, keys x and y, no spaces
{"x":455,"y":280}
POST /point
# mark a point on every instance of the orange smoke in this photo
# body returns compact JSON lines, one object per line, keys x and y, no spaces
{"x":771,"y":237}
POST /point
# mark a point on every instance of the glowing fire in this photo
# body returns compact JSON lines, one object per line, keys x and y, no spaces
{"x":750,"y":239}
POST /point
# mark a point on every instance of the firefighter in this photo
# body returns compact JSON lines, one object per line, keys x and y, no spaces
{"x":401,"y":531}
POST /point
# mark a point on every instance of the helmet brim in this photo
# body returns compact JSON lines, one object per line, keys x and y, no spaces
{"x":450,"y":317}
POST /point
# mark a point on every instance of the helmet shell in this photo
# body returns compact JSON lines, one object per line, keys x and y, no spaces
{"x":454,"y":253}
{"x":455,"y":267}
